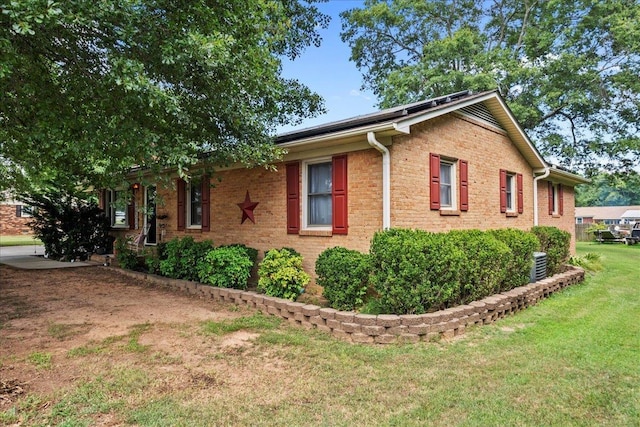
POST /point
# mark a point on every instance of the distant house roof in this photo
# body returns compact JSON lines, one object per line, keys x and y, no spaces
{"x":606,"y":212}
{"x":631,"y":214}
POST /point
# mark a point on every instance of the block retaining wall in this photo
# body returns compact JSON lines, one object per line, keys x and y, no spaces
{"x":383,"y":328}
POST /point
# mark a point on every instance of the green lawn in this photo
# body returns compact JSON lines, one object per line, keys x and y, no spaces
{"x":18,"y":240}
{"x":571,"y":360}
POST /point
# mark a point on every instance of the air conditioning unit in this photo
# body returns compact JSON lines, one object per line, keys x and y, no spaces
{"x":539,"y":267}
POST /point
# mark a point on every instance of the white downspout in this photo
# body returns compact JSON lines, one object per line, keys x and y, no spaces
{"x":546,"y":173}
{"x":386,"y":179}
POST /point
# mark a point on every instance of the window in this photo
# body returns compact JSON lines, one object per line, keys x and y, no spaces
{"x":511,"y":181}
{"x":324,"y":196}
{"x":447,"y":188}
{"x":118,"y":208}
{"x":194,"y":206}
{"x":24,"y":211}
{"x":556,"y":202}
{"x":579,"y":220}
{"x":449,"y":184}
{"x":511,"y":193}
{"x":318,"y":198}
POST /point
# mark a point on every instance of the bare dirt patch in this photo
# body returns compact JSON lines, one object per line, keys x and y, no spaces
{"x":60,"y":328}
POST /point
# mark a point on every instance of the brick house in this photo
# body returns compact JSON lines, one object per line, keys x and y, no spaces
{"x":455,"y":162}
{"x":14,"y":217}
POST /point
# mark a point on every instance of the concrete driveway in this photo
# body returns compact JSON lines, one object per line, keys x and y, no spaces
{"x":31,"y":258}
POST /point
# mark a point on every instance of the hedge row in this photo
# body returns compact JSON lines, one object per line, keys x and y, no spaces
{"x":414,"y":271}
{"x":229,"y":266}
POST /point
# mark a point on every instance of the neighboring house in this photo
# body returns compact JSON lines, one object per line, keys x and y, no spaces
{"x":14,"y":217}
{"x":608,"y":215}
{"x":455,"y":162}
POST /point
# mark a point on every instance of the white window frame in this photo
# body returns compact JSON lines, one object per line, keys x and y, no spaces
{"x":305,"y":194}
{"x":579,"y":220}
{"x":188,"y":206}
{"x":511,"y":192}
{"x":26,"y":211}
{"x":113,"y":209}
{"x":556,"y":202}
{"x":454,"y":184}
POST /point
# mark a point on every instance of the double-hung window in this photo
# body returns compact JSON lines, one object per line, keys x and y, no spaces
{"x":194,"y":205}
{"x":511,"y":182}
{"x":556,"y":202}
{"x":319,"y":188}
{"x":318,"y":197}
{"x":511,"y":193}
{"x":449,"y":184}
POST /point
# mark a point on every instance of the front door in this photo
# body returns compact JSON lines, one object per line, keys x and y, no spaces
{"x":150,"y":214}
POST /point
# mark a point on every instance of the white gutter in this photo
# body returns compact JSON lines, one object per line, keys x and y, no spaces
{"x":547,"y":171}
{"x":386,"y":179}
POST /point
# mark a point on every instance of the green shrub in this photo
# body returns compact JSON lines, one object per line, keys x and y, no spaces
{"x":414,"y":271}
{"x":226,"y":267}
{"x":152,"y":257}
{"x":485,"y":266}
{"x":281,"y":274}
{"x":183,"y":256}
{"x":252,"y":253}
{"x":555,"y":243}
{"x":344,"y":275}
{"x":522,"y":245}
{"x":126,"y":257}
{"x":291,"y":251}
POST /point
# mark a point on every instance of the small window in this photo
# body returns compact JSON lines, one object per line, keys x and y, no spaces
{"x":447,"y":177}
{"x":194,"y":204}
{"x":24,"y":211}
{"x":318,"y":198}
{"x":511,"y":192}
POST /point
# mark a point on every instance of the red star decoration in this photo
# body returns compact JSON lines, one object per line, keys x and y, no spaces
{"x":247,"y":208}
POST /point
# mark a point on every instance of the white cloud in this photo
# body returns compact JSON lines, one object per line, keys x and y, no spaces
{"x":358,"y":94}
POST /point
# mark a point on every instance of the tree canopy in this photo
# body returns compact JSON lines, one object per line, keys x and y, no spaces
{"x":569,"y":69}
{"x":91,"y":88}
{"x":610,"y":189}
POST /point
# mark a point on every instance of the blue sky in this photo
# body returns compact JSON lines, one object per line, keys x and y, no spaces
{"x":328,"y":72}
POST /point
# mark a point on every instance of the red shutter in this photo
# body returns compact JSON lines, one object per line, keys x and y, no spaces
{"x":550,"y":197}
{"x":180,"y":212}
{"x":503,"y":190}
{"x":131,"y":211}
{"x":102,"y":200}
{"x":434,"y":183}
{"x":520,"y":193}
{"x":560,"y":200}
{"x":464,"y":185}
{"x":339,"y":195}
{"x":293,"y":198}
{"x":206,"y":205}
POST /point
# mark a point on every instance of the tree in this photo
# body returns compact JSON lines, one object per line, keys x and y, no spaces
{"x":68,"y":226}
{"x":610,"y":189}
{"x":89,"y":89}
{"x":569,"y":70}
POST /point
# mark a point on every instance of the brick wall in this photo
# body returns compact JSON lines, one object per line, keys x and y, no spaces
{"x":567,"y":220}
{"x":486,"y":149}
{"x":10,"y":224}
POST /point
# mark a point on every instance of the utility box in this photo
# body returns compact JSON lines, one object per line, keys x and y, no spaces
{"x":539,"y":267}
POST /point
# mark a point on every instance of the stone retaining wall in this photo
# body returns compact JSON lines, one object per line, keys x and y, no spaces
{"x":383,"y":328}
